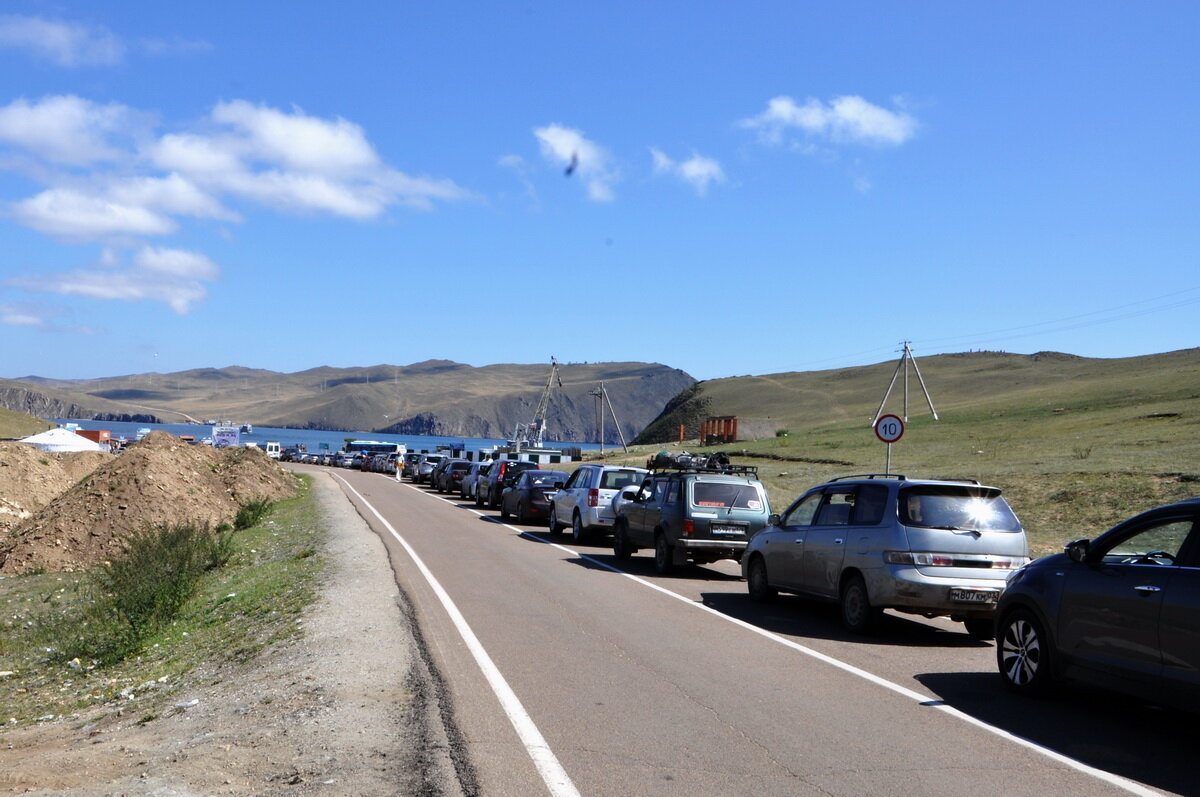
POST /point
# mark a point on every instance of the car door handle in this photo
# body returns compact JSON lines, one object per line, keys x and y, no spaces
{"x":838,"y":541}
{"x":798,"y":542}
{"x":1147,"y":588}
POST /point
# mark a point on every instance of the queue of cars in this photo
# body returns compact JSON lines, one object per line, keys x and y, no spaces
{"x":1121,"y":611}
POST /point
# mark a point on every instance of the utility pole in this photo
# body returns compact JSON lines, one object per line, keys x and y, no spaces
{"x":906,"y":357}
{"x":598,"y":392}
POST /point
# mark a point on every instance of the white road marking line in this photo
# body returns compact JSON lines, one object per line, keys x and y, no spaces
{"x":923,"y":700}
{"x":555,"y":777}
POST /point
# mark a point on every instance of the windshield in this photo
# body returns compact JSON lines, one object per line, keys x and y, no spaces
{"x":958,"y":508}
{"x":730,"y":495}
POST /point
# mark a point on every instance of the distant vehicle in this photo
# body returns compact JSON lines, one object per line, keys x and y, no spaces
{"x":289,"y":454}
{"x":426,"y":465}
{"x":450,"y":478}
{"x":529,"y":497}
{"x":409,"y":465}
{"x":374,"y":447}
{"x":927,"y":547}
{"x":584,"y":504}
{"x":470,"y":479}
{"x":1119,"y":612}
{"x":502,"y":473}
{"x":272,"y":448}
{"x":344,"y":459}
{"x":688,"y":514}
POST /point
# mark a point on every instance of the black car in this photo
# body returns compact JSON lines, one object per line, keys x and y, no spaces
{"x":529,"y":497}
{"x":1120,"y":612}
{"x":502,"y":473}
{"x":449,"y":478}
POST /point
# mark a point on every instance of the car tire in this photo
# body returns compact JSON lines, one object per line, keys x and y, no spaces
{"x":621,"y":547}
{"x":1024,"y":654}
{"x":478,"y":499}
{"x":664,"y":555}
{"x":858,"y":615}
{"x":981,"y":628}
{"x":552,"y":522}
{"x":503,"y":511}
{"x":521,"y":516}
{"x":757,"y":585}
{"x":578,"y":533}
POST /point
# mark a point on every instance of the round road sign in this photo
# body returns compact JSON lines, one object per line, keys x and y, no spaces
{"x":889,"y":428}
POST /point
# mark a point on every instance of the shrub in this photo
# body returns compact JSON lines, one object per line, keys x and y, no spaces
{"x":141,"y":591}
{"x":251,"y":514}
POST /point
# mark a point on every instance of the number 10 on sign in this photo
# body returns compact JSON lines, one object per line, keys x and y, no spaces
{"x":889,"y":429}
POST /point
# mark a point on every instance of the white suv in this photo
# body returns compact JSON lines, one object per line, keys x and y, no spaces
{"x":585,"y":502}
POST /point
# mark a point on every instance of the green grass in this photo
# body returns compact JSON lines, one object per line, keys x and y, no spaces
{"x":15,"y":425}
{"x":231,"y":614}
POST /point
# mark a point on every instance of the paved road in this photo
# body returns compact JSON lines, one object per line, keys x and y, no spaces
{"x":640,"y":684}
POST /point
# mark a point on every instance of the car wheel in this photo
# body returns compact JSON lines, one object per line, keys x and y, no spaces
{"x":980,"y":628}
{"x":756,"y":581}
{"x":621,"y":547}
{"x":503,"y":511}
{"x":1023,"y":654}
{"x":578,"y":532}
{"x":663,"y":555}
{"x":478,"y":499}
{"x":552,"y":521}
{"x":858,"y":615}
{"x":521,"y":516}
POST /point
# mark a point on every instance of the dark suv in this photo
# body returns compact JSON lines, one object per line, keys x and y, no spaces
{"x":692,"y":514}
{"x":502,"y":473}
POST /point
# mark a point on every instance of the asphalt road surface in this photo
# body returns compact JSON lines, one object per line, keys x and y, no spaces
{"x":571,"y":673}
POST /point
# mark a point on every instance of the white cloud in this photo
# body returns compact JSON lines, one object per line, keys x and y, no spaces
{"x":174,"y":277}
{"x":172,"y":194}
{"x":73,"y":214}
{"x":195,"y":155}
{"x":17,"y":316}
{"x":67,"y":129}
{"x":174,"y":45}
{"x":62,"y":43}
{"x":567,"y":147}
{"x":845,"y":120}
{"x":697,"y":171}
{"x":299,"y":142}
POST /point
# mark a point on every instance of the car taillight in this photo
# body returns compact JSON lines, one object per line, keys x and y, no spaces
{"x":593,"y":498}
{"x":689,"y":528}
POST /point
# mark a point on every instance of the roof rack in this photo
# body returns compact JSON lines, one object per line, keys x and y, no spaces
{"x":896,"y":476}
{"x":730,"y":470}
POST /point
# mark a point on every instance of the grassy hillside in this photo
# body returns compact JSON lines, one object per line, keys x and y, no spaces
{"x":15,"y":425}
{"x":1075,"y":443}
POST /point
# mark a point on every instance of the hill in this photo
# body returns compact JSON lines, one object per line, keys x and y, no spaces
{"x":1077,"y":443}
{"x":15,"y":425}
{"x":438,"y":397}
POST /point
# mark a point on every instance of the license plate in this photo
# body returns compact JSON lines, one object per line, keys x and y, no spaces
{"x":715,"y":528}
{"x":974,"y":595}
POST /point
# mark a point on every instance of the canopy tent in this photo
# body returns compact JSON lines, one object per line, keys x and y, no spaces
{"x":62,"y":440}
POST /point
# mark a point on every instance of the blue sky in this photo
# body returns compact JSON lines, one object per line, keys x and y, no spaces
{"x":726,"y":188}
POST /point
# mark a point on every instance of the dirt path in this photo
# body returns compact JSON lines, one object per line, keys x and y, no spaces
{"x":346,"y":709}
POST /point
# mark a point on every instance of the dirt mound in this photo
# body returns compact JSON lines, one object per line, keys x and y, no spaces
{"x":30,"y":479}
{"x":159,"y":481}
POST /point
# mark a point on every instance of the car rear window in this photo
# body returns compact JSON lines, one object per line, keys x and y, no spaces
{"x":958,"y":508}
{"x":617,"y":479}
{"x":457,"y":466}
{"x":545,"y":478}
{"x":727,"y":494}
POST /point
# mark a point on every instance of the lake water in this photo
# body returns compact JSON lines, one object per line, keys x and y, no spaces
{"x":311,"y":439}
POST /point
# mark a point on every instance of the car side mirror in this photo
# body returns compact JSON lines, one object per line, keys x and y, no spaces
{"x":1078,"y":550}
{"x":774,"y":519}
{"x":559,"y":485}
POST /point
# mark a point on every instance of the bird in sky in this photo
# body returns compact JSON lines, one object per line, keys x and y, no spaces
{"x":573,"y":164}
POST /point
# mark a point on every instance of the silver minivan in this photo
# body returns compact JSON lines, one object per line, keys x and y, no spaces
{"x":929,"y":547}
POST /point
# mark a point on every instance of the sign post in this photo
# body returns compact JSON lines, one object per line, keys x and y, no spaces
{"x":889,"y":429}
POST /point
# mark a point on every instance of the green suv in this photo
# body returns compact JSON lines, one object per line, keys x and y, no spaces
{"x":691,"y":514}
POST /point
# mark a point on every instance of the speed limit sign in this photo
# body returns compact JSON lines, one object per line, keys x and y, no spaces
{"x":889,"y":428}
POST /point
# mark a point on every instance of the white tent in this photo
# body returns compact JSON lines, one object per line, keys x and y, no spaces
{"x":62,"y":440}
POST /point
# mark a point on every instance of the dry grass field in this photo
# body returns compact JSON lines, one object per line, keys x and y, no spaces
{"x":1076,"y":444}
